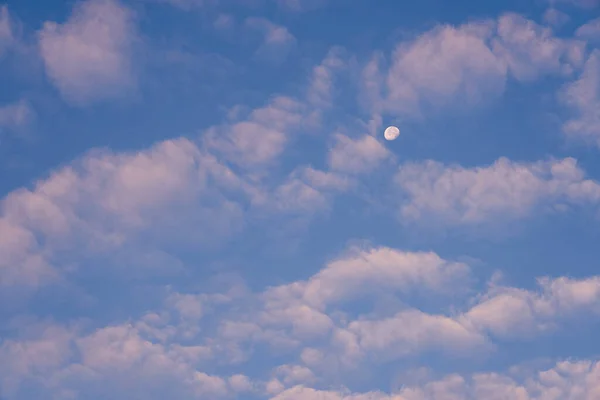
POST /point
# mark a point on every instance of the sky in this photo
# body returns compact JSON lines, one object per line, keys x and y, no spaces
{"x":197,"y":200}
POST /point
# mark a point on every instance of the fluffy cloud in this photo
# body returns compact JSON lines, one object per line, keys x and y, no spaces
{"x":107,"y":199}
{"x":357,"y":155}
{"x":566,"y":379}
{"x":504,"y":189}
{"x":173,"y":350}
{"x":260,"y":139}
{"x":442,"y":65}
{"x":89,"y":57}
{"x":510,"y":312}
{"x":465,"y":66}
{"x":304,"y":335}
{"x":530,"y":50}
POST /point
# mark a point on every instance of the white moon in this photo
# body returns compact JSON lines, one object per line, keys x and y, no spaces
{"x":391,"y":133}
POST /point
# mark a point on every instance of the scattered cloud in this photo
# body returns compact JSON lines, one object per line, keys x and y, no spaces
{"x":505,"y":189}
{"x":583,"y":97}
{"x":465,"y":66}
{"x":566,"y":379}
{"x":555,"y":18}
{"x":357,"y":155}
{"x":107,"y":199}
{"x":530,"y":50}
{"x":315,"y":325}
{"x":443,"y":66}
{"x":589,"y":31}
{"x":15,"y":115}
{"x":188,"y":5}
{"x":320,"y":92}
{"x":277,"y":40}
{"x":89,"y":57}
{"x":261,"y":138}
{"x":6,"y":30}
{"x":586,"y":4}
{"x":174,"y":349}
{"x":301,"y":5}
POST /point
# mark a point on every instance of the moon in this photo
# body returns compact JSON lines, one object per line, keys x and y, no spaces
{"x":391,"y":133}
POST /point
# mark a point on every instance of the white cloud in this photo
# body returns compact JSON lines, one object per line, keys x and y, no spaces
{"x":466,"y":66}
{"x":514,"y":313}
{"x":260,"y":139}
{"x":89,"y":57}
{"x":107,"y":199}
{"x":589,"y":31}
{"x":530,"y":50}
{"x":413,"y":331}
{"x":583,"y":97}
{"x":445,"y":65}
{"x":357,"y":155}
{"x":369,"y":271}
{"x":505,"y":189}
{"x":565,"y":380}
{"x":157,"y":355}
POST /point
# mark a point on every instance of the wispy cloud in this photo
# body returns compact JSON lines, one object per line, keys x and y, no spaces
{"x":6,"y":30}
{"x":277,"y":40}
{"x":583,"y":97}
{"x":16,"y":115}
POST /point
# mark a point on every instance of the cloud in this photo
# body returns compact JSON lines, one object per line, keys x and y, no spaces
{"x":261,"y":138}
{"x":6,"y":30}
{"x":277,"y":40}
{"x":514,"y":313}
{"x":583,"y":97}
{"x":586,"y":4}
{"x":566,"y":379}
{"x":89,"y":57}
{"x":301,"y":5}
{"x":128,"y":206}
{"x":505,"y":189}
{"x":367,"y":271}
{"x":106,"y":200}
{"x":320,"y":92}
{"x":16,"y":115}
{"x":555,"y":18}
{"x":589,"y":31}
{"x":530,"y":50}
{"x":356,"y":155}
{"x":445,"y":65}
{"x":461,"y":67}
{"x":173,"y":350}
{"x":188,"y":5}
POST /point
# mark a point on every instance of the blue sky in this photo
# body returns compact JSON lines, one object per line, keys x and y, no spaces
{"x":198,"y":201}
